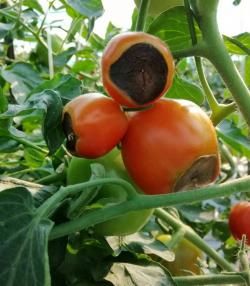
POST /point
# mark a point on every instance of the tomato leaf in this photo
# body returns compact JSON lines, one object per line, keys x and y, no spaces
{"x":183,"y":89}
{"x":176,"y":32}
{"x":23,"y":240}
{"x":5,"y":29}
{"x":67,"y":86}
{"x":87,"y":8}
{"x":234,"y":137}
{"x":122,"y":274}
{"x":23,"y":78}
{"x":239,"y":45}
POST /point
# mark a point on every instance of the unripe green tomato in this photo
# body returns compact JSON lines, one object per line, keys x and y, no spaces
{"x":80,"y":171}
{"x":157,"y":7}
{"x":186,"y":257}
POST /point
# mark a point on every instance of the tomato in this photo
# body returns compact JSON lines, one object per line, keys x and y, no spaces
{"x":187,"y":256}
{"x":156,"y":7}
{"x":80,"y":171}
{"x":171,"y":146}
{"x":93,"y":125}
{"x":239,"y":219}
{"x":137,"y":68}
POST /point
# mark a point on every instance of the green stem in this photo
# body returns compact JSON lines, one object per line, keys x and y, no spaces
{"x":141,"y":19}
{"x":52,"y":178}
{"x":216,"y":52}
{"x":215,"y":279}
{"x":194,"y":238}
{"x":219,"y":111}
{"x":141,"y":202}
{"x":48,"y":206}
{"x":196,"y":50}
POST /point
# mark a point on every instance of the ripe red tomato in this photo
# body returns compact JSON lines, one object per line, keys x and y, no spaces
{"x":239,"y":220}
{"x":137,"y":68}
{"x":171,"y":146}
{"x":93,"y":125}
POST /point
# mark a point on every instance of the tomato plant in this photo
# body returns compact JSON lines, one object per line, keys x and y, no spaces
{"x":157,"y":7}
{"x":80,"y":171}
{"x":61,"y":198}
{"x":93,"y":125}
{"x":171,"y":146}
{"x":239,"y":220}
{"x":137,"y":68}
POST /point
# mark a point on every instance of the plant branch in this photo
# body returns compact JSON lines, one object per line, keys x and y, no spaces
{"x":141,"y":19}
{"x":194,"y":238}
{"x":141,"y":202}
{"x":238,"y":278}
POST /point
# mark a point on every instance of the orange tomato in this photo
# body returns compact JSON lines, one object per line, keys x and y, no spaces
{"x":137,"y":68}
{"x":171,"y":146}
{"x":93,"y":124}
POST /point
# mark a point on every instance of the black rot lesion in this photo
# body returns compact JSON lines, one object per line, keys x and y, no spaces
{"x":141,"y":72}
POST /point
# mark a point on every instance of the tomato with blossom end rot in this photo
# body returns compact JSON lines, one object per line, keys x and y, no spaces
{"x":137,"y":68}
{"x":93,"y":124}
{"x":170,"y":146}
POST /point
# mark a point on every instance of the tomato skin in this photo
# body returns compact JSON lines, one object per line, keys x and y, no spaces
{"x":239,"y":219}
{"x":114,"y":51}
{"x":156,"y":7}
{"x":186,"y":257}
{"x":163,"y":141}
{"x":80,"y":171}
{"x":97,"y":124}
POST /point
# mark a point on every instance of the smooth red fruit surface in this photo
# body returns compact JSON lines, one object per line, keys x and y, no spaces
{"x":170,"y":146}
{"x":93,"y":124}
{"x":239,"y":220}
{"x":137,"y":68}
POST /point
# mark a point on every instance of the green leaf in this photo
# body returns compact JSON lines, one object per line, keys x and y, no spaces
{"x":239,"y":45}
{"x":8,"y":145}
{"x":183,"y":89}
{"x":50,"y":103}
{"x":33,"y":4}
{"x":66,"y":85}
{"x":5,"y":29}
{"x":23,"y":240}
{"x":234,"y":137}
{"x":87,"y":8}
{"x":122,"y":274}
{"x":172,"y":27}
{"x":22,"y":77}
{"x":61,"y":59}
{"x":33,"y":157}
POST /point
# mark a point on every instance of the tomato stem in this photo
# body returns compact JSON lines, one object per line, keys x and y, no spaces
{"x":141,"y":19}
{"x":215,"y":50}
{"x":139,"y":202}
{"x":193,"y":237}
{"x":238,"y":278}
{"x":219,"y":111}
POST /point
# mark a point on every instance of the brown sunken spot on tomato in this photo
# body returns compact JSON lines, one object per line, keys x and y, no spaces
{"x":141,"y":72}
{"x":202,"y":172}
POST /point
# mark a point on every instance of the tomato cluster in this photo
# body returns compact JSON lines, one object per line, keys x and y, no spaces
{"x":167,"y":145}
